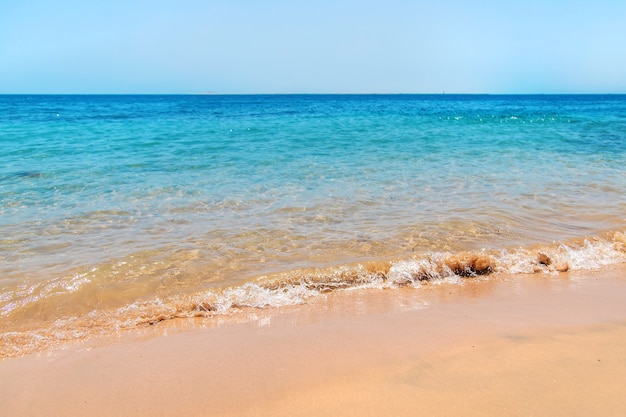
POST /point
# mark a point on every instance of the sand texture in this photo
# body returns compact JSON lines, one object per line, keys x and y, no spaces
{"x":540,"y":345}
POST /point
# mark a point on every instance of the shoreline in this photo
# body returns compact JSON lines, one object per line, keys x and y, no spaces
{"x":485,"y":347}
{"x":43,"y":316}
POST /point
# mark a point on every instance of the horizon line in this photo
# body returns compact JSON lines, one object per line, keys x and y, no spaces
{"x":211,"y":93}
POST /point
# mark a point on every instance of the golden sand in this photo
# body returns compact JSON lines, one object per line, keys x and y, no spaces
{"x":543,"y":345}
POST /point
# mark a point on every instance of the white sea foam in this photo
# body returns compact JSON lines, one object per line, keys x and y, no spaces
{"x":298,"y":287}
{"x":439,"y":267}
{"x":251,"y":295}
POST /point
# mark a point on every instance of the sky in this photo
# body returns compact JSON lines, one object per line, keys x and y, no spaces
{"x":323,"y":46}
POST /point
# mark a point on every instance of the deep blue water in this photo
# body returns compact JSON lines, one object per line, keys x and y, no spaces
{"x":215,"y":189}
{"x":77,"y":165}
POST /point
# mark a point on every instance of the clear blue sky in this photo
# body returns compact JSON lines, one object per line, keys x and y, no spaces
{"x":334,"y":46}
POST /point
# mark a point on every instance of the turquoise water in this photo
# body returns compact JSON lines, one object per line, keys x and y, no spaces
{"x":110,"y":201}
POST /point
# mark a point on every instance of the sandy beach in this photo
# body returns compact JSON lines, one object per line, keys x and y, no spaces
{"x":543,"y":345}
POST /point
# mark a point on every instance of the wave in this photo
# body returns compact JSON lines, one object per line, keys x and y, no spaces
{"x":298,"y":286}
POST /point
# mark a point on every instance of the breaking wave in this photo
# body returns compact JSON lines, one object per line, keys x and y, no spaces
{"x":298,"y":286}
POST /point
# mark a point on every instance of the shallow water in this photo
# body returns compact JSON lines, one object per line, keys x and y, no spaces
{"x":111,"y":203}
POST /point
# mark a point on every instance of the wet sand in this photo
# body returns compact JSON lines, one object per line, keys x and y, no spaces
{"x":544,"y":345}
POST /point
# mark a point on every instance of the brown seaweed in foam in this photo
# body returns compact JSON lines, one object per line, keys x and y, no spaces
{"x":543,"y":259}
{"x":562,"y":266}
{"x":467,"y":264}
{"x":378,"y":268}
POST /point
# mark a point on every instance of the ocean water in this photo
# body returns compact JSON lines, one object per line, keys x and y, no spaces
{"x":117,"y":211}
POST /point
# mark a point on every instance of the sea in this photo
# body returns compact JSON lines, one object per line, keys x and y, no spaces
{"x":121,"y":211}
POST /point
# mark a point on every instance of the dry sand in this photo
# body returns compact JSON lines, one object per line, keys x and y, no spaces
{"x":517,"y":345}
